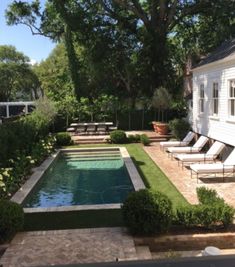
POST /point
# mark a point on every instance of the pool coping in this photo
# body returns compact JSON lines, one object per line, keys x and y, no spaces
{"x":26,"y":188}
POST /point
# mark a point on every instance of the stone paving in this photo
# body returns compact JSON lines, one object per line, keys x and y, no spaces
{"x":41,"y":248}
{"x":182,"y":180}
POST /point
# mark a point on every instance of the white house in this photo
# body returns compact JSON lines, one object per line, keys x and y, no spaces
{"x":214,"y":95}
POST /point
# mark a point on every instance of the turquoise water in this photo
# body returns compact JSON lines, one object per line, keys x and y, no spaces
{"x":73,"y":180}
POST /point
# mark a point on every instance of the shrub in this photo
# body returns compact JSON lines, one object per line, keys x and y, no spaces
{"x":186,"y":216}
{"x":208,"y":196}
{"x":144,"y":139}
{"x":11,"y":219}
{"x":147,"y":212}
{"x":63,"y":139}
{"x":179,"y":127}
{"x":134,"y":138}
{"x":206,"y":216}
{"x":118,"y":137}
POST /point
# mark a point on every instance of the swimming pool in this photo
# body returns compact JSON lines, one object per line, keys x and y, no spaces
{"x":102,"y":179}
{"x":85,"y":178}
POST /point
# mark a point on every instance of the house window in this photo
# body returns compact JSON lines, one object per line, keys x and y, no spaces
{"x":201,"y":98}
{"x":231,"y":98}
{"x":215,"y":99}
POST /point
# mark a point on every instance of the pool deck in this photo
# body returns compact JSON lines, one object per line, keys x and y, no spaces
{"x":181,"y":178}
{"x":107,"y":244}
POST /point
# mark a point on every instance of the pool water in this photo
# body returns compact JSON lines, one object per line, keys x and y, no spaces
{"x":75,"y":179}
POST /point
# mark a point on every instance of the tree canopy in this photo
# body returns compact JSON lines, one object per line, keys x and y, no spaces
{"x":17,"y":80}
{"x":129,"y":47}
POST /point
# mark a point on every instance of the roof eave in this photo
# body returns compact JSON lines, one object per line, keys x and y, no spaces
{"x":214,"y":63}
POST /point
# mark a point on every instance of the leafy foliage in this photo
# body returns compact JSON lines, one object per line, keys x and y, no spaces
{"x":179,"y":128}
{"x":147,"y":212}
{"x":24,"y":143}
{"x":211,"y":213}
{"x":118,"y":137}
{"x":11,"y":219}
{"x":129,"y":46}
{"x":16,"y":76}
{"x":208,"y":196}
{"x":144,"y":139}
{"x":134,"y":138}
{"x":63,"y":139}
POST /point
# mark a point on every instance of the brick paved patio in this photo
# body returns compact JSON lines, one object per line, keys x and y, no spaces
{"x":182,"y":178}
{"x":41,"y":248}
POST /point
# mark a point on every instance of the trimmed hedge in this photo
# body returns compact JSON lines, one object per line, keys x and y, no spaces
{"x":118,"y":137}
{"x":208,"y":196}
{"x":147,"y":212}
{"x":63,"y":139}
{"x":144,"y":139}
{"x":206,"y":216}
{"x":211,"y":213}
{"x":11,"y":219}
{"x":134,"y":138}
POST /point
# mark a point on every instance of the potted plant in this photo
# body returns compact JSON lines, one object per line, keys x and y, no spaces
{"x":162,"y":101}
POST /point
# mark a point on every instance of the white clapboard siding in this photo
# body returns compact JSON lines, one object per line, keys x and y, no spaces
{"x":221,"y":128}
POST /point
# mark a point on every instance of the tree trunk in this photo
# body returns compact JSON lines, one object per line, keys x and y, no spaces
{"x":159,"y":57}
{"x":73,"y":61}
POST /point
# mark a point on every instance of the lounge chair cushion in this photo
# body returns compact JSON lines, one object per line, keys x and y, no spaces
{"x":211,"y":168}
{"x":211,"y":154}
{"x":194,"y":149}
{"x":188,"y":138}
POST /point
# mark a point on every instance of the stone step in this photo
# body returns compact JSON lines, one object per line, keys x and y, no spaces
{"x":96,"y":158}
{"x":92,"y":155}
{"x":89,"y":141}
{"x":143,"y":253}
{"x":88,"y":153}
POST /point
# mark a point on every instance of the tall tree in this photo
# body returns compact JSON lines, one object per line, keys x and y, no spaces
{"x":16,"y":75}
{"x":152,"y":22}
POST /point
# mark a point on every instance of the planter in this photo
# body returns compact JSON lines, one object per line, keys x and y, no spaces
{"x":162,"y":128}
{"x":154,"y":123}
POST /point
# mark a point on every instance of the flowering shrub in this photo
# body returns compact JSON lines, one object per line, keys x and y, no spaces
{"x":24,"y":143}
{"x":12,"y":176}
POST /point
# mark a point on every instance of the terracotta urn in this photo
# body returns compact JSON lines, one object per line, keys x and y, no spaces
{"x":162,"y":128}
{"x":154,"y":123}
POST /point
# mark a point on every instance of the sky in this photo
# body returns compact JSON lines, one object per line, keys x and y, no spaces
{"x":36,"y":47}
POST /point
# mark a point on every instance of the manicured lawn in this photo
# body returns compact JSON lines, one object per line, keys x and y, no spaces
{"x":152,"y":176}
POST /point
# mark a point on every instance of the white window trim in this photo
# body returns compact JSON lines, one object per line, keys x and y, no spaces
{"x":201,"y":113}
{"x":230,"y":117}
{"x":214,"y":115}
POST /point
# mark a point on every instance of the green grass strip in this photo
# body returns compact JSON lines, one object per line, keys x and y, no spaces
{"x":153,"y":177}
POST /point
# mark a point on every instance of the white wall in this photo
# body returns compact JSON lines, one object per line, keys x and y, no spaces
{"x":221,"y":128}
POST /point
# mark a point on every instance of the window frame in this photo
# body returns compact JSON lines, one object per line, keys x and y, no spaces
{"x":215,"y":99}
{"x":201,"y":98}
{"x":231,"y":99}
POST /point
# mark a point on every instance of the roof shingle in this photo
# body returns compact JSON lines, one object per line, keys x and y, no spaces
{"x":226,"y":49}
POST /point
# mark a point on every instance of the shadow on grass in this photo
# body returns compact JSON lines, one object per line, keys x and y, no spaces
{"x":137,"y":164}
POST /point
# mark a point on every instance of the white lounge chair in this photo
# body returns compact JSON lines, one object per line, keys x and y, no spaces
{"x":197,"y":147}
{"x":187,"y":139}
{"x":228,"y":166}
{"x":211,"y":154}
